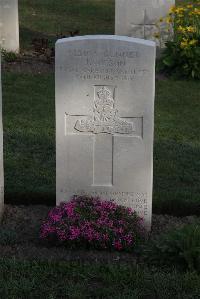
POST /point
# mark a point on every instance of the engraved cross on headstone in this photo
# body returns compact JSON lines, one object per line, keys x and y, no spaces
{"x":105,"y":124}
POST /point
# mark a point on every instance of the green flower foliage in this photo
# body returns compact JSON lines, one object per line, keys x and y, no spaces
{"x":8,"y":56}
{"x":180,"y":248}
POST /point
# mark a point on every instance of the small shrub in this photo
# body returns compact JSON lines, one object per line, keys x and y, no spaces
{"x":91,"y":222}
{"x":181,"y":57}
{"x":180,"y":248}
{"x":9,"y":56}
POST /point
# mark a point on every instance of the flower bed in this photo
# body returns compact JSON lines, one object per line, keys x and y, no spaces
{"x":91,"y":222}
{"x":182,"y":54}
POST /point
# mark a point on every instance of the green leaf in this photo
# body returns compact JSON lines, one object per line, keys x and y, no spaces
{"x":169,"y":61}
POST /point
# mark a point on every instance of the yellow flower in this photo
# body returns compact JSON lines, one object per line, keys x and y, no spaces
{"x":196,"y":12}
{"x":193,"y":42}
{"x":180,"y":15}
{"x":172,"y":9}
{"x":184,"y":43}
{"x":191,"y":29}
{"x":169,"y":20}
{"x":181,"y":29}
{"x":179,"y":10}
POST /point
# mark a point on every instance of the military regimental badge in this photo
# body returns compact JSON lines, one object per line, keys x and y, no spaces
{"x":105,"y":117}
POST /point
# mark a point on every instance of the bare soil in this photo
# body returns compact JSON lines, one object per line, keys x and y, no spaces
{"x":30,"y":63}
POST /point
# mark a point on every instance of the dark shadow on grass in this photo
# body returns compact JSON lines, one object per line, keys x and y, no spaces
{"x":30,"y":198}
{"x":176,"y":178}
{"x":30,"y":167}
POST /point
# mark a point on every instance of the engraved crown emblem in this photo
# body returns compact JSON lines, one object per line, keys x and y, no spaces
{"x":105,"y":96}
{"x":104,"y":92}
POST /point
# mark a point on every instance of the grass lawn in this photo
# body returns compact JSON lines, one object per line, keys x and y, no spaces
{"x":177,"y":148}
{"x":29,"y":138}
{"x":50,"y":18}
{"x":74,"y":280}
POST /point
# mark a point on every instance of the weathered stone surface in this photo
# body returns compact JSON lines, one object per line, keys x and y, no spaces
{"x":104,"y":119}
{"x":1,"y":153}
{"x":9,"y":25}
{"x":138,"y":18}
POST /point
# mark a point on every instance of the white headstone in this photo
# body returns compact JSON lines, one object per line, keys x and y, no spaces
{"x":9,"y":25}
{"x":1,"y":152}
{"x":139,"y":18}
{"x":104,"y":120}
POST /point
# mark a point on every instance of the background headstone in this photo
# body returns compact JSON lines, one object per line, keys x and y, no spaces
{"x":138,"y":18}
{"x":1,"y":152}
{"x":104,"y":120}
{"x":9,"y":25}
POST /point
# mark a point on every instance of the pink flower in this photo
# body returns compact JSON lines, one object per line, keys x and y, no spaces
{"x":121,"y":222}
{"x":118,"y":245}
{"x":129,"y":239}
{"x":69,"y":209}
{"x":119,"y":230}
{"x":56,"y":217}
{"x":74,"y":232}
{"x":46,"y":230}
{"x":130,"y":211}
